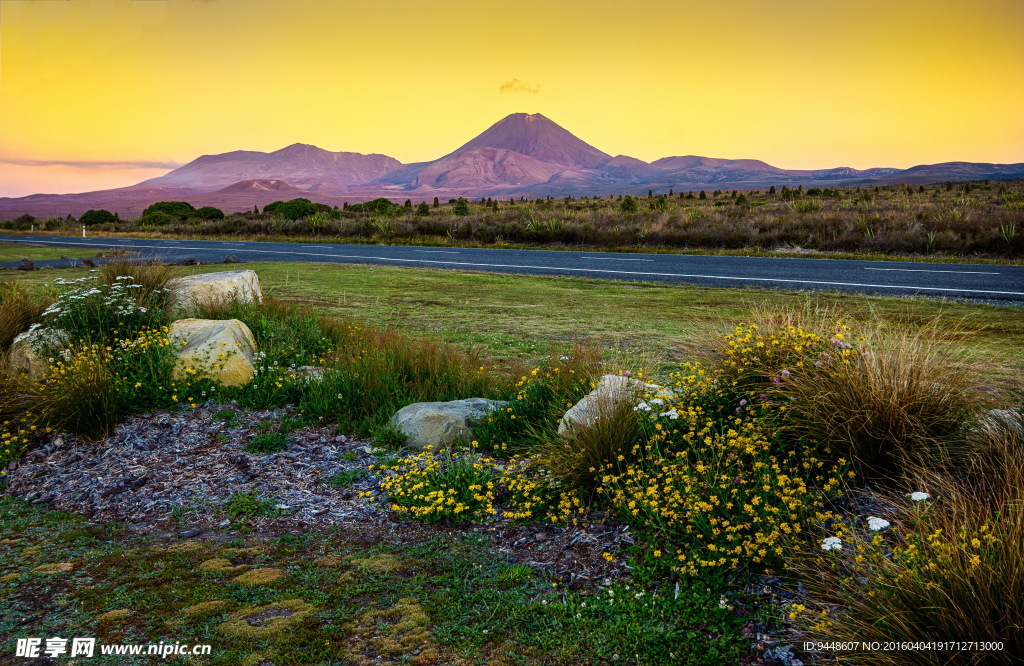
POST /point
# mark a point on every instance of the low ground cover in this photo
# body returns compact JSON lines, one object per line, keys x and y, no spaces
{"x":739,"y":471}
{"x":973,"y":219}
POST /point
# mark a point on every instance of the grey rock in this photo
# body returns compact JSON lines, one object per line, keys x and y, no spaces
{"x":232,"y":259}
{"x":26,"y":265}
{"x":606,"y":396}
{"x":440,"y":424}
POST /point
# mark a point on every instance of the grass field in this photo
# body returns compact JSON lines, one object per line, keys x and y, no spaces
{"x":515,"y":317}
{"x":17,"y":251}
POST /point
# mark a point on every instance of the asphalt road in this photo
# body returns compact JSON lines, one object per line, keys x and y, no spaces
{"x":985,"y":282}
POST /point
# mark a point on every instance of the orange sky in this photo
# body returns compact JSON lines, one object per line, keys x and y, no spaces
{"x":100,"y":93}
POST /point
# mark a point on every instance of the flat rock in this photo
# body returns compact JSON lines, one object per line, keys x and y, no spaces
{"x":192,"y":292}
{"x":221,"y":349}
{"x":440,"y":424}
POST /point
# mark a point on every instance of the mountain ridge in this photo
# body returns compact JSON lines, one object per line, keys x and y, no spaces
{"x":520,"y":155}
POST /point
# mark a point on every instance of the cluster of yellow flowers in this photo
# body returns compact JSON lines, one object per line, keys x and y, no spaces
{"x":430,"y":487}
{"x":753,"y":359}
{"x":468,"y":486}
{"x":14,"y":439}
{"x":719,"y":492}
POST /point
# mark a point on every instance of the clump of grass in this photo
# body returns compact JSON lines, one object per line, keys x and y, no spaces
{"x":349,"y":477}
{"x":268,"y":442}
{"x":19,"y":309}
{"x":898,"y":396}
{"x":249,"y":505}
{"x":952,"y":563}
{"x":581,"y":455}
{"x":150,"y":276}
{"x":78,"y":394}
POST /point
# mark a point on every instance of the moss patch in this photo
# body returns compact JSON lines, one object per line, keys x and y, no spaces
{"x":54,"y":568}
{"x":384,"y":562}
{"x":114,"y":615}
{"x":221,"y":565}
{"x":205,"y":608}
{"x":258,"y":576}
{"x":186,"y":547}
{"x":269,"y":620}
{"x":328,"y":561}
{"x":395,"y":631}
{"x":9,"y":577}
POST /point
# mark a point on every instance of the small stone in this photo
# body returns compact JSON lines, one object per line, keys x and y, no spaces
{"x":188,"y":534}
{"x":26,"y":265}
{"x":88,"y":263}
{"x":232,"y":259}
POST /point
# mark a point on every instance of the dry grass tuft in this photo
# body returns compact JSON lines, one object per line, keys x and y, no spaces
{"x":19,"y":309}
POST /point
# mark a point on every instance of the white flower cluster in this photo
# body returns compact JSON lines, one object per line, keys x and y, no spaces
{"x":919,"y":497}
{"x":877,"y":524}
{"x":656,"y":396}
{"x":832,"y":543}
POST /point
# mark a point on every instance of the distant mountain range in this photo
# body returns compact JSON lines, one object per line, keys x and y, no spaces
{"x":523,"y":154}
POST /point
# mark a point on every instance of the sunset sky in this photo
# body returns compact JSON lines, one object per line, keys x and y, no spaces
{"x":106,"y":93}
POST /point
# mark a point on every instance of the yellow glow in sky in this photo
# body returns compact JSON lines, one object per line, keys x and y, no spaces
{"x":795,"y":83}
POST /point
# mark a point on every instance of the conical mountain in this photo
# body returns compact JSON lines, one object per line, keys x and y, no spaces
{"x":537,"y":136}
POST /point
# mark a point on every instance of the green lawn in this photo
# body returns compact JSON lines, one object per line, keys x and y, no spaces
{"x":523,"y":317}
{"x":16,"y":251}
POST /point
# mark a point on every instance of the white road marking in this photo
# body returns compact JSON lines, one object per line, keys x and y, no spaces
{"x":616,"y":259}
{"x":436,"y":251}
{"x":925,"y":270}
{"x":594,"y":270}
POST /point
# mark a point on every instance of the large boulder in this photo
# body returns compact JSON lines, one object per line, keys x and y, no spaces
{"x":440,"y":424}
{"x":31,"y":352}
{"x":192,"y":292}
{"x":609,"y":392}
{"x":221,"y":349}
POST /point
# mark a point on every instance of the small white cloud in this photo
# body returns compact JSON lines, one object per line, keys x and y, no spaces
{"x":515,"y":85}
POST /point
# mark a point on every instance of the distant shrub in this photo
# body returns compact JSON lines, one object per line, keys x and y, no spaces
{"x":159,"y":219}
{"x":177,"y":209}
{"x":423,"y":209}
{"x":210,"y":213}
{"x":380,"y":207}
{"x":628,"y":205}
{"x":91,"y":217}
{"x":292,"y":209}
{"x":460,"y":207}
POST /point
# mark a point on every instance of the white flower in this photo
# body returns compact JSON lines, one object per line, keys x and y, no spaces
{"x":876,"y":524}
{"x":656,"y":401}
{"x":832,"y":543}
{"x":919,"y":497}
{"x":672,"y":414}
{"x":642,"y":407}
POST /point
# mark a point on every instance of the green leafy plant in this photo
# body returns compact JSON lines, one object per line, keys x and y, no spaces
{"x":268,"y":442}
{"x":349,"y":477}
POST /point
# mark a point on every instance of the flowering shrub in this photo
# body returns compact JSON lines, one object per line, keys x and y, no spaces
{"x":90,"y":311}
{"x":715,"y":493}
{"x":756,"y":360}
{"x":431,"y":487}
{"x":541,"y":397}
{"x":14,"y":440}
